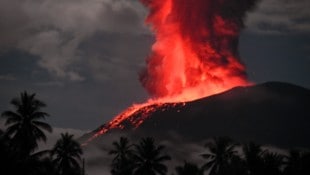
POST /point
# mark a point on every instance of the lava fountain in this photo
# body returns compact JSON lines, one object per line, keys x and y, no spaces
{"x":195,"y":54}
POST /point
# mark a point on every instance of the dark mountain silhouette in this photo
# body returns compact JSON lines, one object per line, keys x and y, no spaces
{"x":270,"y":113}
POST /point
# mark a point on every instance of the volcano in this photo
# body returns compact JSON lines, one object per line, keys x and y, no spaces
{"x":270,"y":113}
{"x":193,"y":56}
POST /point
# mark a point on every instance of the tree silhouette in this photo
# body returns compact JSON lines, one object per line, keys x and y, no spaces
{"x":4,"y":143}
{"x":253,"y":158}
{"x":189,"y":169}
{"x":298,"y":162}
{"x":24,"y":124}
{"x":7,"y":158}
{"x":39,"y":163}
{"x":236,"y":166}
{"x":149,"y":159}
{"x":66,"y":155}
{"x":221,"y":152}
{"x":272,"y":163}
{"x":122,"y":163}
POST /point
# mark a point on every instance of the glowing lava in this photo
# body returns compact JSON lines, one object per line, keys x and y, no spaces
{"x":195,"y":54}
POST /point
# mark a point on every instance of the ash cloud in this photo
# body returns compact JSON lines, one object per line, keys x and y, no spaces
{"x":208,"y":30}
{"x":236,"y":10}
{"x":280,"y":17}
{"x":55,"y":30}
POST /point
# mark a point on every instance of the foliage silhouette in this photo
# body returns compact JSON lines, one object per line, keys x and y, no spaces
{"x":189,"y":168}
{"x":272,"y":163}
{"x":39,"y":163}
{"x":24,"y":124}
{"x":148,"y":158}
{"x":66,"y":155}
{"x":253,"y":158}
{"x":25,"y":129}
{"x":7,"y":158}
{"x":298,"y":162}
{"x":221,"y":151}
{"x":122,"y":163}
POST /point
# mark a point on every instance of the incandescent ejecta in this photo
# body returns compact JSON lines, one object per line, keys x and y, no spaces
{"x":196,"y":48}
{"x":195,"y":53}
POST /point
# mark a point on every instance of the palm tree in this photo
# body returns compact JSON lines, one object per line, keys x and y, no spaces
{"x":253,"y":158}
{"x":122,"y":162}
{"x":4,"y":141}
{"x":272,"y":163}
{"x":149,"y":159}
{"x":189,"y":169}
{"x":305,"y":159}
{"x":6,"y":158}
{"x":66,"y":155}
{"x":237,"y":166}
{"x":25,"y":125}
{"x":39,"y":163}
{"x":298,"y":162}
{"x":221,"y":153}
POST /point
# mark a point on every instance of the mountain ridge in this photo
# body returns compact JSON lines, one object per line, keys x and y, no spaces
{"x":268,"y":113}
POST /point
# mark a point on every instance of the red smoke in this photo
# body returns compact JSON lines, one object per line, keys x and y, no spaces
{"x":195,"y":53}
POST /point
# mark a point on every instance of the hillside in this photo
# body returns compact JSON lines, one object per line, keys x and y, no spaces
{"x":270,"y":113}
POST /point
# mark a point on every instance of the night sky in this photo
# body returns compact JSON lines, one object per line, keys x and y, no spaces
{"x":83,"y":57}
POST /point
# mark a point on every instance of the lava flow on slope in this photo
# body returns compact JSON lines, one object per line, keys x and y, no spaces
{"x":195,"y":53}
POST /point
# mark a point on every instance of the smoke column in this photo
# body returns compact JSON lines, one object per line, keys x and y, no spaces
{"x":195,"y":54}
{"x":196,"y":48}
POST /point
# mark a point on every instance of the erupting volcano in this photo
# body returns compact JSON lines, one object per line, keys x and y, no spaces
{"x":195,"y":54}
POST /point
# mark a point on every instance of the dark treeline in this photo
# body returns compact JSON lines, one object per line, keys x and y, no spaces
{"x":222,"y":157}
{"x":25,"y":127}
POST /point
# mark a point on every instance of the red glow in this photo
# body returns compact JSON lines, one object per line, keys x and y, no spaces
{"x":195,"y":55}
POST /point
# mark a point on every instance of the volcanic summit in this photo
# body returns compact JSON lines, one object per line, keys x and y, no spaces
{"x":270,"y":113}
{"x":198,"y":84}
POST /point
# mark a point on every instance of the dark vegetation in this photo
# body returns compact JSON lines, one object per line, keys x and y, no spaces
{"x":19,"y":143}
{"x":25,"y":127}
{"x":221,"y":158}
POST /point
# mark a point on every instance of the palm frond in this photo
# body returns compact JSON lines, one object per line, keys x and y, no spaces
{"x":163,"y":158}
{"x":9,"y":114}
{"x":39,"y":115}
{"x":43,"y":125}
{"x":11,"y":130}
{"x":207,"y":156}
{"x":208,"y":165}
{"x":39,"y":134}
{"x":16,"y":103}
{"x":40,"y":154}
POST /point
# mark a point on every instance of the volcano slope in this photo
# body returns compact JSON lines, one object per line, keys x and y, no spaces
{"x":270,"y":113}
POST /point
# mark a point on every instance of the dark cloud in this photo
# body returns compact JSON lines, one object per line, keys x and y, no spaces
{"x":116,"y":56}
{"x":280,"y":17}
{"x":54,"y":30}
{"x":7,"y":77}
{"x":13,"y":21}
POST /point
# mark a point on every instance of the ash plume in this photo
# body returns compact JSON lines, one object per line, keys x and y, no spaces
{"x":196,"y":46}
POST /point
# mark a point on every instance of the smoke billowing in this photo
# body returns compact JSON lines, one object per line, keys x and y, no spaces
{"x":196,"y":48}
